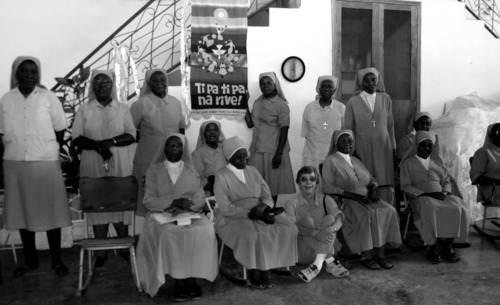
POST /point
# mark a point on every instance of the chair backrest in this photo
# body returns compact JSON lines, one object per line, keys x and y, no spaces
{"x":108,"y":194}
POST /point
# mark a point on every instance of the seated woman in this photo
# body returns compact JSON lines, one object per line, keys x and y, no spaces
{"x":485,"y":168}
{"x":421,"y":121}
{"x":370,"y":223}
{"x":438,"y":215}
{"x":184,"y":252}
{"x":208,"y":157}
{"x":318,"y":219}
{"x":103,"y":128}
{"x":259,"y":240}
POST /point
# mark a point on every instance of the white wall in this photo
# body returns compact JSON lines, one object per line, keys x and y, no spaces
{"x":59,"y":32}
{"x":304,"y":32}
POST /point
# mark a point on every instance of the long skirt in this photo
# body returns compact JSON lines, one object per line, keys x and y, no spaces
{"x":181,"y":251}
{"x":309,"y":246}
{"x":370,"y":226}
{"x":35,"y":196}
{"x":257,"y":245}
{"x":280,"y":180}
{"x":436,"y":218}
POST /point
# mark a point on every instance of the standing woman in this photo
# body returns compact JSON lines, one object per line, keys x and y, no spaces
{"x":421,"y":121}
{"x":208,"y":157}
{"x":369,"y":115}
{"x":320,"y":119}
{"x":103,"y":128}
{"x":270,"y":151}
{"x":32,"y":124}
{"x":156,"y":115}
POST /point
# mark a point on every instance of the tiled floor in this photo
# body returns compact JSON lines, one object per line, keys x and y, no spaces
{"x":474,"y":280}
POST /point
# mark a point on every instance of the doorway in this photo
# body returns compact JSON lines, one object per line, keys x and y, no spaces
{"x":384,"y":35}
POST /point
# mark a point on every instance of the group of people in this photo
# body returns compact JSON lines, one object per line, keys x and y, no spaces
{"x":350,"y":150}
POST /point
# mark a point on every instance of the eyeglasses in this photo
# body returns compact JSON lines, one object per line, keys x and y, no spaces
{"x":306,"y":179}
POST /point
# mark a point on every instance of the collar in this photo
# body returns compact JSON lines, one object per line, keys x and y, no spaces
{"x":318,"y":105}
{"x":368,"y":95}
{"x":159,"y":99}
{"x":305,"y":200}
{"x":113,"y":104}
{"x":172,"y":165}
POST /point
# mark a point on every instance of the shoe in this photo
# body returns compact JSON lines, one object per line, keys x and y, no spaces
{"x":100,"y":260}
{"x":462,"y":245}
{"x":370,"y":264}
{"x":61,"y":269}
{"x":180,"y":291}
{"x":194,"y":290}
{"x":265,"y":279}
{"x":309,"y":273}
{"x":433,"y":255}
{"x":23,"y":269}
{"x":451,"y":256}
{"x":384,"y":263}
{"x":254,"y":277}
{"x":336,"y":269}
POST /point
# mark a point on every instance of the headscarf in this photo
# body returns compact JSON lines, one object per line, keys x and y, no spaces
{"x":335,"y":137}
{"x":323,"y":78}
{"x":359,"y":80}
{"x":419,"y":137}
{"x":201,"y":136}
{"x":487,"y":140}
{"x":108,"y":73}
{"x":146,"y":89}
{"x":232,"y":145}
{"x":17,"y":62}
{"x":417,"y":116}
{"x":186,"y":156}
{"x":276,"y":81}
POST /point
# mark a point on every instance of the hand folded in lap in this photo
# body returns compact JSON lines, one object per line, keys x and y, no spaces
{"x":435,"y":195}
{"x":260,"y":212}
{"x":373,"y":193}
{"x":326,"y":235}
{"x":179,"y":206}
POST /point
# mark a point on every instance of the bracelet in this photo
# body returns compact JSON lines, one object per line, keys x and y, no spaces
{"x":114,"y":140}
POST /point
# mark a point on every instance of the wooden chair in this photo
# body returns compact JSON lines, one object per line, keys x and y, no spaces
{"x":107,"y":194}
{"x":494,"y":221}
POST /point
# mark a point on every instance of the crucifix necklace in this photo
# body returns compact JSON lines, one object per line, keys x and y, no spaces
{"x":325,"y":119}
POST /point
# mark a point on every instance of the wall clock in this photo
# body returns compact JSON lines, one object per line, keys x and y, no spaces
{"x":293,"y":69}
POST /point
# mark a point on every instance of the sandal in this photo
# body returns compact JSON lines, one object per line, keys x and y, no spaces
{"x":336,"y":269}
{"x":23,"y":269}
{"x":61,"y":269}
{"x":370,"y":264}
{"x":309,"y":273}
{"x":384,"y":263}
{"x":451,"y":256}
{"x":253,"y":276}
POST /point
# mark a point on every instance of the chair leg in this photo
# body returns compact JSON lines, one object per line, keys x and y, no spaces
{"x":220,"y":252}
{"x":244,"y":273}
{"x":484,"y":217}
{"x":135,"y":272}
{"x":80,"y":273}
{"x":407,"y":224}
{"x":13,"y":247}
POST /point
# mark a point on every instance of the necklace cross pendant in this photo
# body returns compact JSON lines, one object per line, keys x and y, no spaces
{"x":373,"y":122}
{"x":325,"y":125}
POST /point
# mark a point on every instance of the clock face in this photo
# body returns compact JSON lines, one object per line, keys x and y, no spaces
{"x":293,"y":69}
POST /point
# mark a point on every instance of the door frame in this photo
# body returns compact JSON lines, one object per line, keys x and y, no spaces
{"x":377,"y":6}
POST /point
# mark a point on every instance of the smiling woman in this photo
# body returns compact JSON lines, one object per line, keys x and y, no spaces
{"x":32,"y":125}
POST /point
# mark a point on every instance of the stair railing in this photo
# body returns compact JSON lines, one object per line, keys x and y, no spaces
{"x":488,"y":11}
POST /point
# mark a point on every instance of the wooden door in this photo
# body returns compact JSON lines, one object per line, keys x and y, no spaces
{"x":384,"y":35}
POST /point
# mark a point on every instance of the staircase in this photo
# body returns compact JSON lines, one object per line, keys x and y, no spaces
{"x":487,"y":11}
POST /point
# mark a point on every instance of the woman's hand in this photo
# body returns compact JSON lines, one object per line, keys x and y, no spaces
{"x":210,"y":184}
{"x":435,"y":195}
{"x":257,"y":211}
{"x":105,"y":153}
{"x":179,"y":206}
{"x":276,"y":160}
{"x":373,"y":193}
{"x":326,"y":235}
{"x":107,"y":144}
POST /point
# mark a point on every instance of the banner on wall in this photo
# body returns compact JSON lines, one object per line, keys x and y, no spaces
{"x":219,"y":78}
